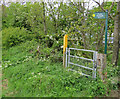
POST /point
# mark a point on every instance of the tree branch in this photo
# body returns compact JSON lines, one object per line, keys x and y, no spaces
{"x":111,"y":8}
{"x":104,"y":9}
{"x":75,"y":5}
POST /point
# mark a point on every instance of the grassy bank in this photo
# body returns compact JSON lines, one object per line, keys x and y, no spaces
{"x":26,"y":74}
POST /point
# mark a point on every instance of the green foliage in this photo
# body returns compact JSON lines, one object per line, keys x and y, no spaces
{"x":29,"y":75}
{"x":66,"y":18}
{"x":38,"y":72}
{"x":13,"y":36}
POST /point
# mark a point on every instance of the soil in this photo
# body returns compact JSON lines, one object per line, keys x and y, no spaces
{"x":115,"y":93}
{"x":5,"y":88}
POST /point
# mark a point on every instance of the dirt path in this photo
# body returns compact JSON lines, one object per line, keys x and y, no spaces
{"x":114,"y":93}
{"x":5,"y":84}
{"x":5,"y":88}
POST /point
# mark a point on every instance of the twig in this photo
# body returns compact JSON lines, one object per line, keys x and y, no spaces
{"x":104,"y":9}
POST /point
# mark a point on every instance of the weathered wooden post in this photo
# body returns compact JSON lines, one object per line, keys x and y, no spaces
{"x":101,"y":64}
{"x":65,"y":51}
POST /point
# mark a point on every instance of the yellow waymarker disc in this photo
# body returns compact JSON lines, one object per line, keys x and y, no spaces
{"x":93,"y":15}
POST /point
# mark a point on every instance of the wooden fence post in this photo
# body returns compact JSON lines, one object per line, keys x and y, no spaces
{"x":101,"y":64}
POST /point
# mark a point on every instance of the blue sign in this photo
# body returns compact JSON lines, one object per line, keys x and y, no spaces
{"x":103,"y":15}
{"x":99,"y":15}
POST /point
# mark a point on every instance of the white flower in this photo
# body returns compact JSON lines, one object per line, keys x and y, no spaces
{"x":61,"y":47}
{"x":39,"y":73}
{"x":32,"y":73}
{"x":50,"y":37}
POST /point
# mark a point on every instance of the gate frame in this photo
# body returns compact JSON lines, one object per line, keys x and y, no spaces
{"x":94,"y":60}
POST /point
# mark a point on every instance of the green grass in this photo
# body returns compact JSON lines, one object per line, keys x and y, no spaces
{"x":30,"y":75}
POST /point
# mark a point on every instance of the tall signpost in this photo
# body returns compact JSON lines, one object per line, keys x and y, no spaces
{"x":103,"y":15}
{"x":106,"y":32}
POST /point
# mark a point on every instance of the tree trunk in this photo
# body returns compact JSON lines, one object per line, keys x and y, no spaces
{"x":54,"y":18}
{"x":116,"y":36}
{"x":100,"y":40}
{"x":44,"y":21}
{"x":83,"y":33}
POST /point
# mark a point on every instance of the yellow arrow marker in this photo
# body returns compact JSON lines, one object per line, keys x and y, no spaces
{"x":93,"y":15}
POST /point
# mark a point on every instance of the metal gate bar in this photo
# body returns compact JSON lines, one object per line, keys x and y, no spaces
{"x":93,"y":60}
{"x":80,"y":66}
{"x":82,"y":50}
{"x":81,"y":58}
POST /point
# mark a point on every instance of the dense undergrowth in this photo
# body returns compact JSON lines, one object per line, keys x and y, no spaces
{"x":32,"y":51}
{"x":29,"y":74}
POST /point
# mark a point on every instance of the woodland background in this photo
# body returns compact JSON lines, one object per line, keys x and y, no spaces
{"x":32,"y":43}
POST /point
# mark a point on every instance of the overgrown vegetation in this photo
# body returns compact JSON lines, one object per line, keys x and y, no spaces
{"x":32,"y":40}
{"x":14,"y":36}
{"x":33,"y":76}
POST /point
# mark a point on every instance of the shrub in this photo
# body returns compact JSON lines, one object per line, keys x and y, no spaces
{"x":12,"y":36}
